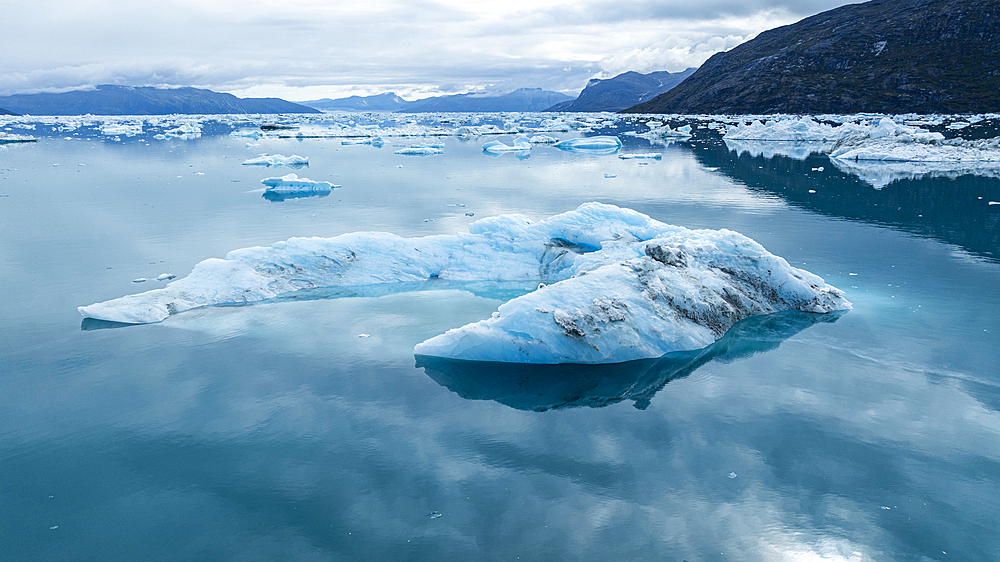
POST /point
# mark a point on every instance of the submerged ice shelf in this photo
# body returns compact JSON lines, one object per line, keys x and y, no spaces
{"x":615,"y":285}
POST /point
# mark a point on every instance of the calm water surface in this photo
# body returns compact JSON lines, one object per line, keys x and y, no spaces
{"x":275,"y":432}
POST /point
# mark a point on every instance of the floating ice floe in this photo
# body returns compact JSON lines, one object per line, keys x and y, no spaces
{"x":6,"y":138}
{"x":890,"y":152}
{"x":521,"y":144}
{"x":274,"y":160}
{"x":615,"y":285}
{"x":639,"y":156}
{"x":292,"y":183}
{"x":590,"y":145}
{"x":423,"y":149}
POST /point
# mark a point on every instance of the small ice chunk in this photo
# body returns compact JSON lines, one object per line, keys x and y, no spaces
{"x":139,"y":280}
{"x":819,"y":169}
{"x":434,"y":514}
{"x":609,"y":176}
{"x":274,"y":160}
{"x":291,"y":183}
{"x":649,"y":155}
{"x":364,"y":335}
{"x":732,"y":475}
{"x":165,"y":277}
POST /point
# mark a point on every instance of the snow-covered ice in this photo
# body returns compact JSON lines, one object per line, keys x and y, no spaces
{"x":615,"y":285}
{"x":274,"y":160}
{"x":292,"y":183}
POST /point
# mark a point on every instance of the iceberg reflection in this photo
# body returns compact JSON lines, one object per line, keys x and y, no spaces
{"x":548,"y":387}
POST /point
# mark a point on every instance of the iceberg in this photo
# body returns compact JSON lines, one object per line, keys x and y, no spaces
{"x":521,"y":144}
{"x":590,"y":145}
{"x":275,"y":160}
{"x":614,"y":284}
{"x":292,"y":183}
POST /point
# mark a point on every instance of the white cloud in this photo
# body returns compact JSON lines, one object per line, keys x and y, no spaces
{"x":304,"y":49}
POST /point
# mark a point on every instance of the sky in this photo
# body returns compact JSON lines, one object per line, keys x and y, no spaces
{"x":310,"y":49}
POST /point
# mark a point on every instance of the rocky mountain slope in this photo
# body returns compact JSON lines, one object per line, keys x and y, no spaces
{"x":126,"y":100}
{"x":623,"y":91}
{"x":888,"y":56}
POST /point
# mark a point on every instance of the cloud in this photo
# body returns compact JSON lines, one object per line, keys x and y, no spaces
{"x":310,"y":45}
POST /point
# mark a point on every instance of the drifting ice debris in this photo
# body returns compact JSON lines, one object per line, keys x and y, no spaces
{"x":618,"y":284}
{"x":374,"y":141}
{"x":609,"y":176}
{"x":650,"y":155}
{"x":543,"y":139}
{"x":274,"y":160}
{"x":590,"y":145}
{"x":292,"y":183}
{"x":521,"y":144}
{"x":165,"y":277}
{"x":12,"y":138}
{"x":422,"y":149}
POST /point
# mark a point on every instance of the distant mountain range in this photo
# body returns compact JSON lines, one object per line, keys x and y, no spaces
{"x":6,"y":112}
{"x":887,"y":56}
{"x":622,"y":91}
{"x":126,"y":100}
{"x":524,"y":99}
{"x":381,"y":102}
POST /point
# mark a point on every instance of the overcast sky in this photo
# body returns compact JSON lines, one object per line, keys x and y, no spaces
{"x":310,"y":49}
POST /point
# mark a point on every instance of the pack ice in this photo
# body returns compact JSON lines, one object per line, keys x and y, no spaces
{"x":614,"y":284}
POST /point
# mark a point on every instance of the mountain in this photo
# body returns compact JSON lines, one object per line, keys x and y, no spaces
{"x":525,"y":99}
{"x":6,"y":112}
{"x":381,"y":102}
{"x":886,"y":56}
{"x":622,"y":91}
{"x":127,"y":100}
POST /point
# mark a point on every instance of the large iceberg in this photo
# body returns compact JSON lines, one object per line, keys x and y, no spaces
{"x":614,"y":284}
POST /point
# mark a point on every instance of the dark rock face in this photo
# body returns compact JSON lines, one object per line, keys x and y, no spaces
{"x":126,"y":100}
{"x":623,"y":91}
{"x":888,"y":56}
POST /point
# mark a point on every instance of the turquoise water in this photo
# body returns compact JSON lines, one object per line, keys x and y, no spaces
{"x":275,"y":432}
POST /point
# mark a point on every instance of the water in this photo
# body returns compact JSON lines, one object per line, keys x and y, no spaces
{"x":277,"y":432}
